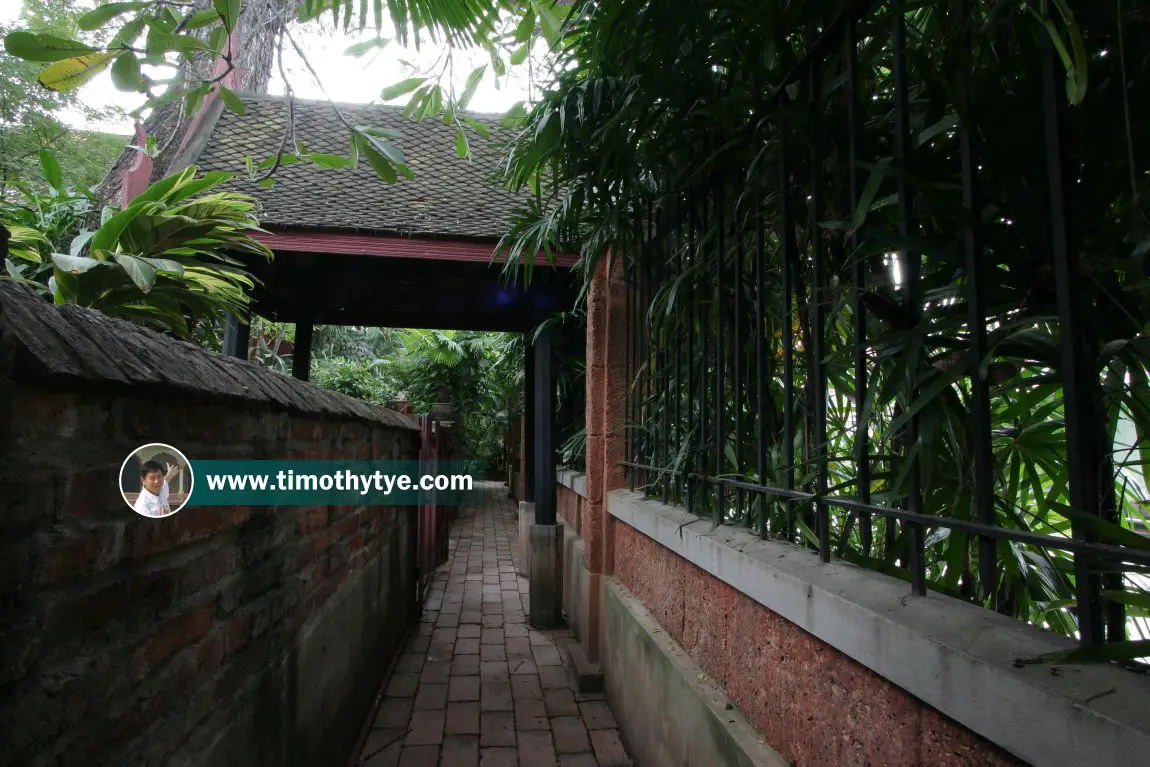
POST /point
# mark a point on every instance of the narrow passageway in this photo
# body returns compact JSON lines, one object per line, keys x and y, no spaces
{"x":476,"y":685}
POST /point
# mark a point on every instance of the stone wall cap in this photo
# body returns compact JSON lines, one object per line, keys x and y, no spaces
{"x":44,"y":343}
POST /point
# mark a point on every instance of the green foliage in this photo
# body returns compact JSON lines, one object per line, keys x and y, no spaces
{"x":479,"y":373}
{"x":30,"y":115}
{"x":168,"y":257}
{"x":133,"y":39}
{"x":614,"y":140}
{"x":268,"y":349}
{"x":351,"y":377}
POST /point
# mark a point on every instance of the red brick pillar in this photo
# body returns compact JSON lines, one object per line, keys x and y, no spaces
{"x":606,"y":417}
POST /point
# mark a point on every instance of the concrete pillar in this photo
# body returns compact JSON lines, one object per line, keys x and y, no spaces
{"x":546,"y":588}
{"x":526,"y":520}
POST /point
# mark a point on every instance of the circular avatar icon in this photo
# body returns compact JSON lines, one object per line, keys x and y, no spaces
{"x":156,"y":480}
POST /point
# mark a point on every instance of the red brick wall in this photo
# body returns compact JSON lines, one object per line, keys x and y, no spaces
{"x":812,"y":704}
{"x":130,"y":640}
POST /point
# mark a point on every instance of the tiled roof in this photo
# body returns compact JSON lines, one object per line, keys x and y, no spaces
{"x":449,"y":197}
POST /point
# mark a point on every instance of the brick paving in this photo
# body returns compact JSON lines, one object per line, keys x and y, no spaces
{"x":475,"y":684}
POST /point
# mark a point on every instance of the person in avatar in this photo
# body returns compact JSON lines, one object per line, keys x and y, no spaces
{"x":154,"y":491}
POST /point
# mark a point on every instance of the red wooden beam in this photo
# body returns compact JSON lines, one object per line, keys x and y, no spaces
{"x":384,"y":246}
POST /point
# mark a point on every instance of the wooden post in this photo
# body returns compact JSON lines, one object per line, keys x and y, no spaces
{"x":237,"y":338}
{"x":301,"y":359}
{"x":544,"y":428}
{"x":529,"y":422}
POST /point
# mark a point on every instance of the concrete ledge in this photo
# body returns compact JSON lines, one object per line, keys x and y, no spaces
{"x":956,"y":657}
{"x":572,"y":480}
{"x":584,"y":676}
{"x":668,"y":710}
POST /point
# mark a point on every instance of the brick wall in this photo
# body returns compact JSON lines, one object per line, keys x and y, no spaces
{"x":812,"y":704}
{"x":238,"y":636}
{"x":569,"y":506}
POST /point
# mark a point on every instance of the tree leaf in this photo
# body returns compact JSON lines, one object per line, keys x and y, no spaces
{"x":551,"y":24}
{"x":51,"y":168}
{"x":75,"y":264}
{"x":869,"y":191}
{"x":381,"y":132}
{"x":138,"y":270}
{"x":218,"y":39}
{"x":33,"y":47}
{"x":434,"y":103}
{"x":526,"y":26}
{"x":109,"y":232}
{"x":97,"y":17}
{"x":229,"y":11}
{"x":233,"y":102}
{"x":201,"y":19}
{"x":514,"y":115}
{"x":387,"y":149}
{"x":477,"y":126}
{"x":473,"y":81}
{"x":126,"y":73}
{"x":461,"y":148}
{"x":400,"y":88}
{"x":166,"y":265}
{"x":367,"y":45}
{"x":519,"y":55}
{"x":947,"y":122}
{"x":194,"y":98}
{"x":375,"y":158}
{"x":72,"y":73}
{"x":160,"y":43}
{"x":128,"y":33}
{"x":1135,"y":599}
{"x":79,"y":241}
{"x":333,"y":161}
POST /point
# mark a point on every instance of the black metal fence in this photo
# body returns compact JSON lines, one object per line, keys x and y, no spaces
{"x":887,"y":355}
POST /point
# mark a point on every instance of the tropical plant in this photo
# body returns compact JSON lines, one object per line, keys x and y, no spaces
{"x":351,"y":377}
{"x":171,"y":256}
{"x":865,"y":276}
{"x":478,"y":373}
{"x":42,"y":222}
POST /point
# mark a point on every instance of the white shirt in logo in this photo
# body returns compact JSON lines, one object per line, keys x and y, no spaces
{"x":151,"y":505}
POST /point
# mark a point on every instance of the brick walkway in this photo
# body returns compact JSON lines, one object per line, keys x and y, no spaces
{"x":475,"y":685}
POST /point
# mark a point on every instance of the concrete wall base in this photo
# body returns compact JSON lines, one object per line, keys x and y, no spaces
{"x":669,"y":711}
{"x":584,"y":675}
{"x":575,"y":583}
{"x":545,"y":555}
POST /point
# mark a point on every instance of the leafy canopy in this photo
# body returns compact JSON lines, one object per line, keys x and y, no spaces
{"x":192,"y":41}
